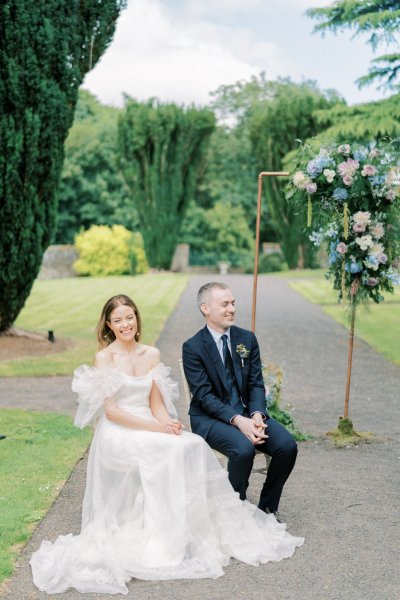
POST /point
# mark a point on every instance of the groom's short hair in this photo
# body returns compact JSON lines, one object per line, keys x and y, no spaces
{"x":206,"y":289}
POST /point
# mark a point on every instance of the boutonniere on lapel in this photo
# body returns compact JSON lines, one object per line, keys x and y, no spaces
{"x":243,"y":352}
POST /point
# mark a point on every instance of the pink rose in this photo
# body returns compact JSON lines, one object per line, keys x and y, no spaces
{"x":341,"y":248}
{"x":347,"y":180}
{"x":391,"y":195}
{"x":368,"y":170}
{"x":358,"y":227}
{"x":382,"y":258}
{"x":311,"y":188}
{"x":372,"y":281}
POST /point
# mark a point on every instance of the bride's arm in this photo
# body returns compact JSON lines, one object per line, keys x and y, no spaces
{"x":158,"y":409}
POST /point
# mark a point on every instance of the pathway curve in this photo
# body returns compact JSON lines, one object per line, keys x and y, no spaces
{"x":344,"y":501}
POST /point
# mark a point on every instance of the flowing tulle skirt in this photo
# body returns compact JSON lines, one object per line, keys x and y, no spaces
{"x":156,"y":507}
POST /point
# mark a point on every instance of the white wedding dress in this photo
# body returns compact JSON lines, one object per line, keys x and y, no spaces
{"x":157,"y":506}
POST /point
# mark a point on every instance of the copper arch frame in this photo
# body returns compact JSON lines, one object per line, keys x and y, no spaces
{"x":257,"y":243}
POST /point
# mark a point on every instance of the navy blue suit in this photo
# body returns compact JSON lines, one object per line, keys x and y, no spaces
{"x":211,"y":413}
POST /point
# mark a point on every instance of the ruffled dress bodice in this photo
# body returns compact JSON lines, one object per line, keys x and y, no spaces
{"x":156,"y":506}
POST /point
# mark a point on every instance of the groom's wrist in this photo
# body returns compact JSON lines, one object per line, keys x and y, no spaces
{"x":234,"y":420}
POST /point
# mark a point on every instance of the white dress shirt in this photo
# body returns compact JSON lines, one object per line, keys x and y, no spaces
{"x":217,"y":339}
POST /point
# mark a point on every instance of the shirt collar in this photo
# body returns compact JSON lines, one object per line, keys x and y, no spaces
{"x":217,"y":334}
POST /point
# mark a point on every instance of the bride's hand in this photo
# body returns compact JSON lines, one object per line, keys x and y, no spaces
{"x":172,"y":426}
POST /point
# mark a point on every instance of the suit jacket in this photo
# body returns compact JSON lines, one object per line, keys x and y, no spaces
{"x":205,"y":373}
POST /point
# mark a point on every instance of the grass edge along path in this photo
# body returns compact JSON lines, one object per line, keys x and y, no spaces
{"x":37,"y":457}
{"x":71,"y":307}
{"x":376,"y":324}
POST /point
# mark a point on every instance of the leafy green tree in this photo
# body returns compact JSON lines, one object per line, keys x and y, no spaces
{"x":46,"y":48}
{"x":274,"y":128}
{"x":220,"y":233}
{"x":162,"y":150}
{"x":361,"y":122}
{"x":92,"y":189}
{"x":380,"y":19}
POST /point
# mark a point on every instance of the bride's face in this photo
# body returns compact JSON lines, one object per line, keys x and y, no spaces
{"x":123,"y":323}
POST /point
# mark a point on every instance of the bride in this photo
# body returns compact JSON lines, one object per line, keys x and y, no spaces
{"x":157,"y":504}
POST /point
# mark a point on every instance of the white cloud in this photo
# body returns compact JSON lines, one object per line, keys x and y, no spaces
{"x":173,"y":57}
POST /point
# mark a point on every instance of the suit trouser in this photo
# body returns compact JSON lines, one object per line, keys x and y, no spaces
{"x":280,"y":445}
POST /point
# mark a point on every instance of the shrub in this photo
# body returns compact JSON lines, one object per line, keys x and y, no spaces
{"x":107,"y":250}
{"x":272,"y":263}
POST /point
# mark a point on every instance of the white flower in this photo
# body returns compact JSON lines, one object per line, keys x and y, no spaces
{"x":362,"y":217}
{"x":300,"y":180}
{"x":365,"y":242}
{"x":376,"y":249}
{"x":378,"y":231}
{"x":329,"y":174}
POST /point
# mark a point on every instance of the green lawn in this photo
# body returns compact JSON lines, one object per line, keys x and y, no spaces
{"x":378,"y":325}
{"x":35,"y":462}
{"x":71,"y":308}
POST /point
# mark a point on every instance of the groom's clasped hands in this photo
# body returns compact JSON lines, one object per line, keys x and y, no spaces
{"x":253,"y":428}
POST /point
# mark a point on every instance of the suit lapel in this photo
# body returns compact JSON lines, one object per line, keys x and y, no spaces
{"x":212,"y":350}
{"x":237,"y":365}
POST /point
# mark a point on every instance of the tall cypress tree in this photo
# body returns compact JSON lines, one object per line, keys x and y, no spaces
{"x":162,"y":150}
{"x":46,"y":48}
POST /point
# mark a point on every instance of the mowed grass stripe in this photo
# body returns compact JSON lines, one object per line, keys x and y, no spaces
{"x":71,"y":308}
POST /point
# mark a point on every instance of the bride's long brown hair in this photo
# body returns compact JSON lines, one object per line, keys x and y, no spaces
{"x":104,"y":334}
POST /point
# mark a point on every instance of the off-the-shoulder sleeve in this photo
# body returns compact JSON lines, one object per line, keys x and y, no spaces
{"x":93,"y":386}
{"x":168,"y":387}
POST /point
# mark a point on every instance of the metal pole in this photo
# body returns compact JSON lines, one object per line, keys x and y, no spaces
{"x":257,"y":248}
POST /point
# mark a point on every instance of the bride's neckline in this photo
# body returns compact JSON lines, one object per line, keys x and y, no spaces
{"x":136,"y":376}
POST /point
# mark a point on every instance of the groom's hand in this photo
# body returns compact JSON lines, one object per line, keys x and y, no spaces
{"x":253,"y":429}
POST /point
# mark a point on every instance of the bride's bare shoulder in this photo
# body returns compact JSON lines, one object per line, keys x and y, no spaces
{"x":152,"y":354}
{"x":103,"y":358}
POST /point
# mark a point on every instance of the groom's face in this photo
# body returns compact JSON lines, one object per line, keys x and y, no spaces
{"x":219,"y":309}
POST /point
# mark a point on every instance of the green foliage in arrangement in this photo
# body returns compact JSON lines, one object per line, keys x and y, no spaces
{"x":273,"y":380}
{"x":107,"y":251}
{"x":220,"y":233}
{"x":46,"y":48}
{"x":162,"y":150}
{"x":274,"y":128}
{"x":36,"y":458}
{"x":380,"y":19}
{"x":92,"y":189}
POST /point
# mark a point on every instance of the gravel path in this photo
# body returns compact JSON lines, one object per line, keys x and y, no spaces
{"x":344,"y":501}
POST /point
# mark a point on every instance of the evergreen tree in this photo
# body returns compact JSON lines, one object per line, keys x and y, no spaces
{"x":361,"y":122}
{"x":46,"y":48}
{"x":378,"y":18}
{"x":274,"y":128}
{"x":92,"y":189}
{"x":162,"y":150}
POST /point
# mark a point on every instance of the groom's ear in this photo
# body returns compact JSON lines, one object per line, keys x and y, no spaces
{"x":204,"y":309}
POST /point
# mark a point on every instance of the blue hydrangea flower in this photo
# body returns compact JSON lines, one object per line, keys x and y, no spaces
{"x":340,"y":194}
{"x":361,"y":154}
{"x":318,"y":164}
{"x":354,"y":266}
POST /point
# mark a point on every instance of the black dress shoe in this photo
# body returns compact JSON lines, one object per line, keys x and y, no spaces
{"x":272,"y":512}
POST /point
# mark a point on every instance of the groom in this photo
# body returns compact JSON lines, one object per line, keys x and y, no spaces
{"x":223,"y":368}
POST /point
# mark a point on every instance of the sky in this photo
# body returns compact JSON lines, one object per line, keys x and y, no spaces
{"x":181,"y":50}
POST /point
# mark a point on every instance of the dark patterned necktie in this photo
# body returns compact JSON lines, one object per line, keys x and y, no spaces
{"x":234,"y":396}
